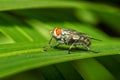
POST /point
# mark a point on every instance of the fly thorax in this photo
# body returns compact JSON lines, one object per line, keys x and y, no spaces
{"x":75,"y":37}
{"x":57,"y":37}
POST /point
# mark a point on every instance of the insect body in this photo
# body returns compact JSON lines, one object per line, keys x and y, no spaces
{"x":71,"y":37}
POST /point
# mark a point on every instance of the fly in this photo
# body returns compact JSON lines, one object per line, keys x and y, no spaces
{"x":71,"y":37}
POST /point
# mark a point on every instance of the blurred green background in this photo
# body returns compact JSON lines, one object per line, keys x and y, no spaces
{"x":24,"y":31}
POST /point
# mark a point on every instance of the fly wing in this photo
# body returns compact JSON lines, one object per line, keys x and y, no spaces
{"x":95,"y":39}
{"x":85,"y":35}
{"x":90,"y":37}
{"x":80,"y":34}
{"x":77,"y":35}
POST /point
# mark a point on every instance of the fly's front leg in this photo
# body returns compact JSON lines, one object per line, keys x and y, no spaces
{"x":47,"y":47}
{"x":50,"y":41}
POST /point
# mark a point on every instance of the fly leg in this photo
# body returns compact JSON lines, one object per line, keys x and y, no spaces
{"x":88,"y":49}
{"x":46,"y":48}
{"x":50,"y":41}
{"x":71,"y":47}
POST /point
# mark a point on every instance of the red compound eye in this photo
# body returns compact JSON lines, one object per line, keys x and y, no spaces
{"x":58,"y":31}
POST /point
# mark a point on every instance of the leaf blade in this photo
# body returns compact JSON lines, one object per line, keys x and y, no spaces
{"x":33,"y":59}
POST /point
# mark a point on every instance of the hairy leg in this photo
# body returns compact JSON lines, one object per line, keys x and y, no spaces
{"x":87,"y":47}
{"x":70,"y":47}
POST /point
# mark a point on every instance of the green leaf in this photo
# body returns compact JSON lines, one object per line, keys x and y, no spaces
{"x":27,"y":31}
{"x":109,"y":15}
{"x":35,"y":57}
{"x":25,"y":4}
{"x":91,"y":69}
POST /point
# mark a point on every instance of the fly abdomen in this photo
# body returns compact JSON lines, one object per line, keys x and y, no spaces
{"x":85,"y":40}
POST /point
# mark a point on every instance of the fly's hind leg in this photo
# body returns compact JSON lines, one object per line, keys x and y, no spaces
{"x":88,"y":49}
